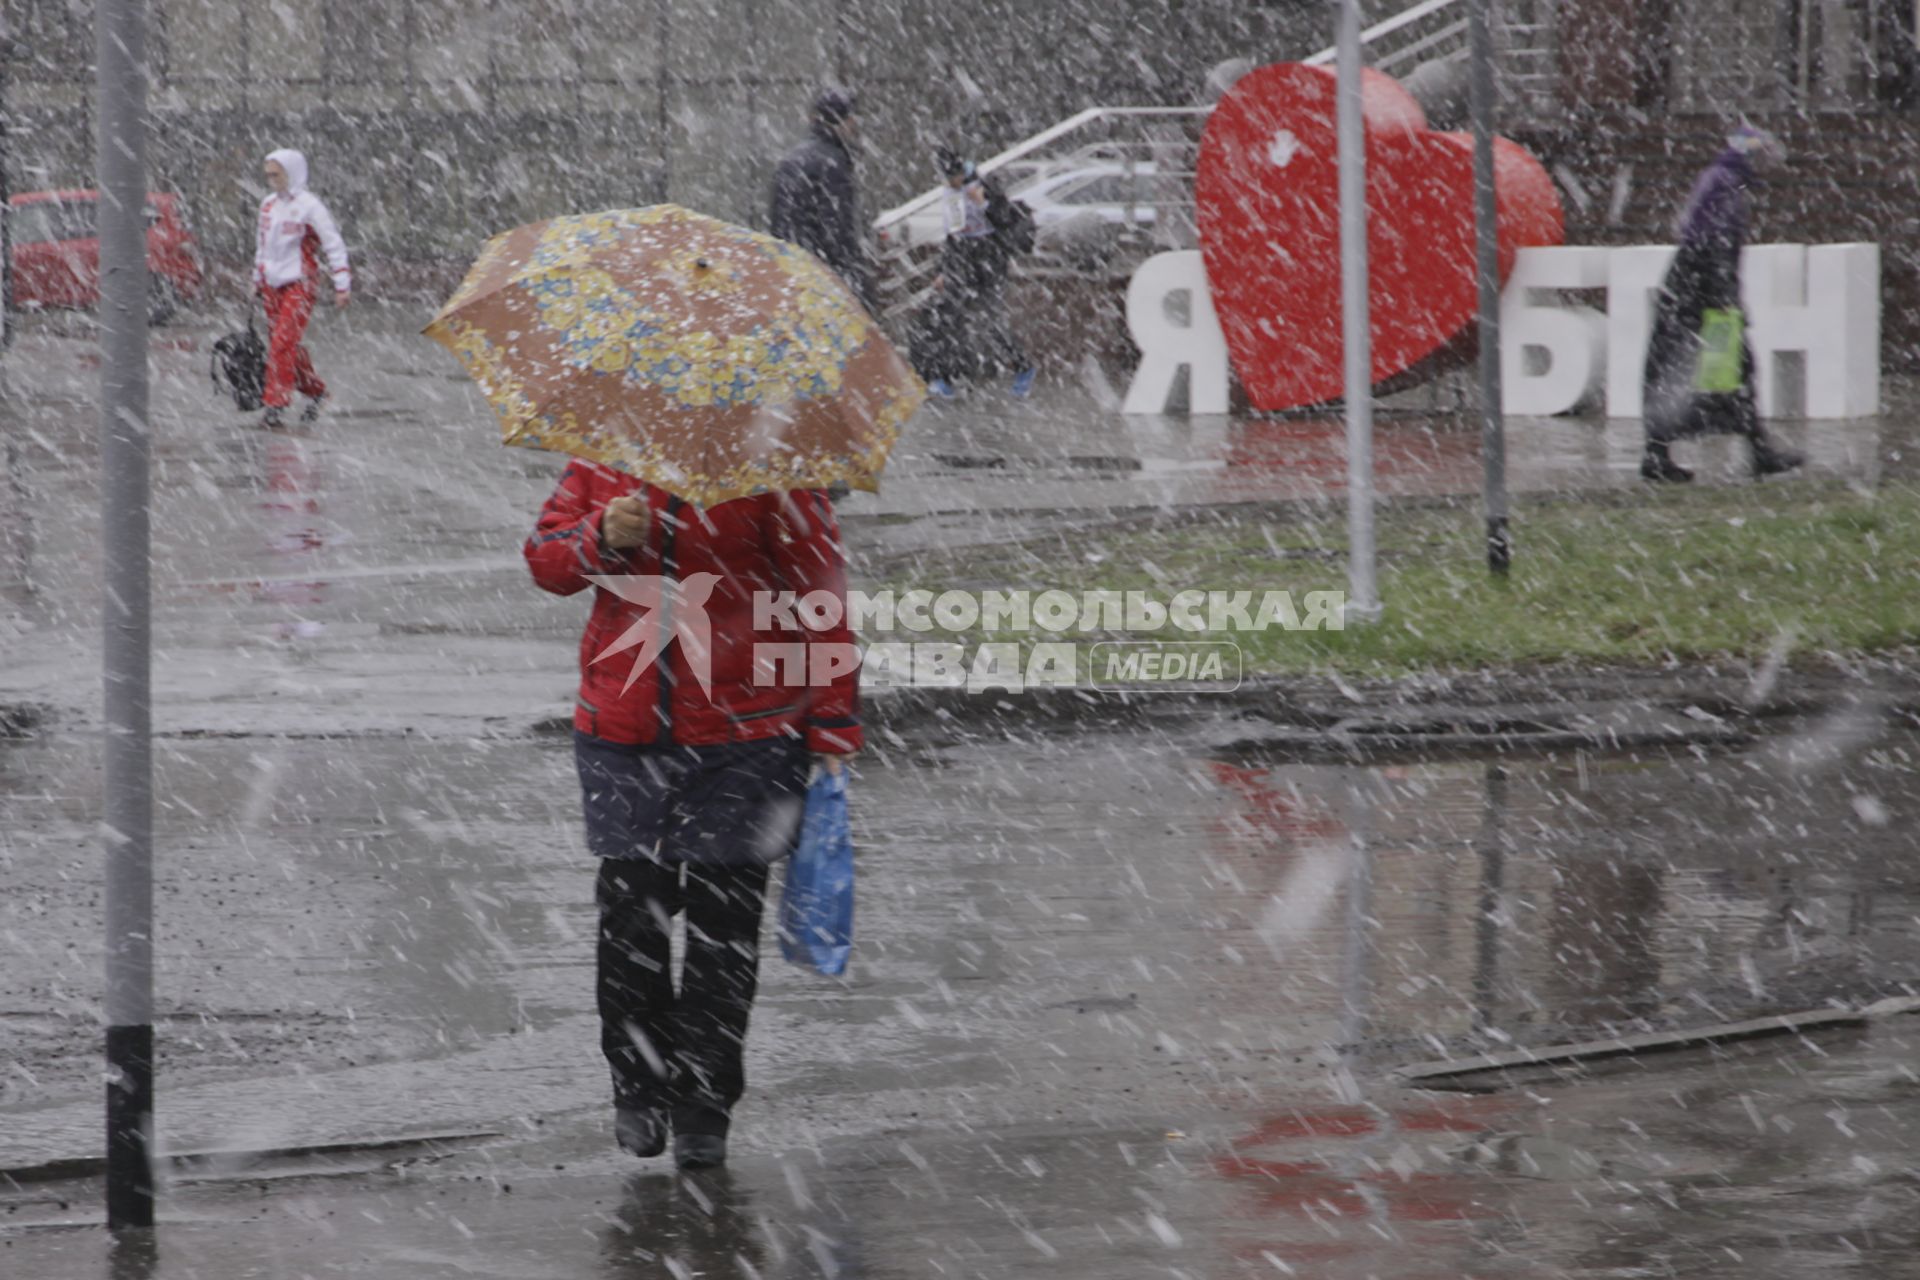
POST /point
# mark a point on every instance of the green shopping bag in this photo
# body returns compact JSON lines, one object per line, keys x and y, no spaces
{"x":1722,"y":338}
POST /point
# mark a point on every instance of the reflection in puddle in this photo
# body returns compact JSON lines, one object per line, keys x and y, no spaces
{"x":714,"y":1223}
{"x":133,"y":1255}
{"x":1532,"y":898}
{"x":291,"y":523}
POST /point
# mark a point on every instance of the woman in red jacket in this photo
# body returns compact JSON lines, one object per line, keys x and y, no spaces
{"x":705,"y":697}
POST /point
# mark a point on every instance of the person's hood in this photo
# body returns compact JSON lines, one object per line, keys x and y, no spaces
{"x":296,"y":166}
{"x":830,"y":135}
{"x":1713,"y":209}
{"x":834,"y":104}
{"x":1751,"y":140}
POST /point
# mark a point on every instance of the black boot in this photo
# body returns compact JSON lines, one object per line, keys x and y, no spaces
{"x":699,"y":1150}
{"x":640,"y":1131}
{"x":1770,"y":459}
{"x":1657,"y":464}
{"x":699,"y":1134}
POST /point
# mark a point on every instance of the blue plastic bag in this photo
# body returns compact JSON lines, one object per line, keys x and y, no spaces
{"x":816,"y":908}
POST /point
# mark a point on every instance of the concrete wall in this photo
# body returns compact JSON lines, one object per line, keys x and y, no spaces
{"x":430,"y":123}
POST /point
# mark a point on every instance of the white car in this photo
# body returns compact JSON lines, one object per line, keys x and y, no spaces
{"x":1099,"y":189}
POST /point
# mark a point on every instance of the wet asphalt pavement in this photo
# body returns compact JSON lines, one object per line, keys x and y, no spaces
{"x":1771,"y":1168}
{"x":1112,"y":1012}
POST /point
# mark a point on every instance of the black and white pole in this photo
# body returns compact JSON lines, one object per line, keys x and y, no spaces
{"x":121,"y":151}
{"x":1363,"y":594}
{"x":1493,"y":428}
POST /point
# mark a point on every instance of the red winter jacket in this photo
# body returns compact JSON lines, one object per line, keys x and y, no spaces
{"x":768,"y":543}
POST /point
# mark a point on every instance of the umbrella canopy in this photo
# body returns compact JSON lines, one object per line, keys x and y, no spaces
{"x":708,"y":359}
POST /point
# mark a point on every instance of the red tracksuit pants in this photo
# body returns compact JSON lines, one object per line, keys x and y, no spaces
{"x":289,"y":367}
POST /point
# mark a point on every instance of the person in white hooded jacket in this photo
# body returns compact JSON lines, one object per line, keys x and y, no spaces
{"x":295,"y":229}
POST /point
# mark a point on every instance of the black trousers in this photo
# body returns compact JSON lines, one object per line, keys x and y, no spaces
{"x":996,"y":349}
{"x":678,"y":1050}
{"x":966,"y":332}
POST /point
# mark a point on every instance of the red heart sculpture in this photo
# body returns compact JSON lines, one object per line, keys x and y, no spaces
{"x":1267,"y":194}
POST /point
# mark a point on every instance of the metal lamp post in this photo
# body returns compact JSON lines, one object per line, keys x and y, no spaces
{"x":121,"y":151}
{"x":1363,"y":595}
{"x":1493,"y":433}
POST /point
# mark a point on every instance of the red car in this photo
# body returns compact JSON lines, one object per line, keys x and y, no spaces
{"x":56,"y":252}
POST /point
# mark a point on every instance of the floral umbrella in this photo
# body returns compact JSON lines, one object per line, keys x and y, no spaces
{"x":708,"y":359}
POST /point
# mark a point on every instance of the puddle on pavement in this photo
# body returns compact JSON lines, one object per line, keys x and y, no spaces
{"x":1109,"y":892}
{"x":320,"y":904}
{"x":1510,"y":899}
{"x":1768,"y":1169}
{"x":1104,"y":981}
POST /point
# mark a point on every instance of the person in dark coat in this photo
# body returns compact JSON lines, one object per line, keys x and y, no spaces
{"x":1705,"y":276}
{"x":816,"y":202}
{"x":694,"y":732}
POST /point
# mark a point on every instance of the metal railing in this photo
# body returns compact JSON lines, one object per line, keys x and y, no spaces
{"x":909,"y":234}
{"x":1429,"y":27}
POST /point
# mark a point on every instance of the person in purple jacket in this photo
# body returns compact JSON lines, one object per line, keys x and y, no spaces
{"x":1704,"y":277}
